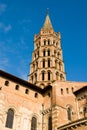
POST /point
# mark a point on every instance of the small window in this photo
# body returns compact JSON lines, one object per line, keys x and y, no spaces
{"x":56,"y":63}
{"x":48,"y":62}
{"x":6,"y":83}
{"x":56,"y":43}
{"x":72,"y":89}
{"x":26,"y":91}
{"x":49,"y":94}
{"x":36,"y":95}
{"x":61,"y":91}
{"x":67,"y":90}
{"x":53,"y":41}
{"x":35,"y":77}
{"x":54,"y":52}
{"x":60,"y":66}
{"x":17,"y":87}
{"x":43,"y":75}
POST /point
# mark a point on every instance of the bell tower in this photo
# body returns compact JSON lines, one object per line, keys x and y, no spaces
{"x":47,"y":62}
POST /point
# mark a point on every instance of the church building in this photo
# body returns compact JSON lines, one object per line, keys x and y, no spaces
{"x":47,"y":101}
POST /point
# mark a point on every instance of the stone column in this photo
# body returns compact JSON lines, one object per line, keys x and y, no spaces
{"x":55,"y":117}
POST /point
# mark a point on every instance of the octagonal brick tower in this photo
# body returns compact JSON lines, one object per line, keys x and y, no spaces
{"x":47,"y":62}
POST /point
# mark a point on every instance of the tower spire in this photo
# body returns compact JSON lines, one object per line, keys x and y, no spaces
{"x":47,"y":24}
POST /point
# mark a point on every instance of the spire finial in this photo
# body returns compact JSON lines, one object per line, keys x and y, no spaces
{"x":47,"y":12}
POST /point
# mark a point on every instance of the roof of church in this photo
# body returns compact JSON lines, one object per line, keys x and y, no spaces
{"x":84,"y":88}
{"x":47,"y":24}
{"x":23,"y":82}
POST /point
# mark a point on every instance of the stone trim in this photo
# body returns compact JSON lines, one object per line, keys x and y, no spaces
{"x":74,"y":124}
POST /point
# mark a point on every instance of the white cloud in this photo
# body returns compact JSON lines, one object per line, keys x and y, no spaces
{"x":8,"y":28}
{"x":5,"y":28}
{"x":2,"y":8}
{"x":4,"y":62}
{"x":25,"y":21}
{"x":24,"y":76}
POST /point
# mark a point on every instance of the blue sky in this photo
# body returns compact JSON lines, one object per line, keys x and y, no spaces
{"x":21,"y":19}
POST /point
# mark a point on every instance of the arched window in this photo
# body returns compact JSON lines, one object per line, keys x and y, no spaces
{"x":43,"y":73}
{"x":48,"y":75}
{"x":48,"y":52}
{"x":35,"y":55}
{"x":36,"y":65}
{"x":61,"y":76}
{"x":54,"y":52}
{"x":57,"y":75}
{"x":6,"y":83}
{"x":48,"y":41}
{"x":58,"y":54}
{"x":33,"y":66}
{"x":44,"y":42}
{"x":34,"y":123}
{"x":54,"y":42}
{"x":50,"y":123}
{"x":57,"y":44}
{"x":60,"y":66}
{"x":69,"y":112}
{"x":48,"y":62}
{"x":9,"y":119}
{"x":56,"y":63}
{"x":43,"y":63}
{"x":44,"y":53}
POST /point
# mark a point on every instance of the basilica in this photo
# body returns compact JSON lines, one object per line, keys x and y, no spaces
{"x":47,"y":101}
